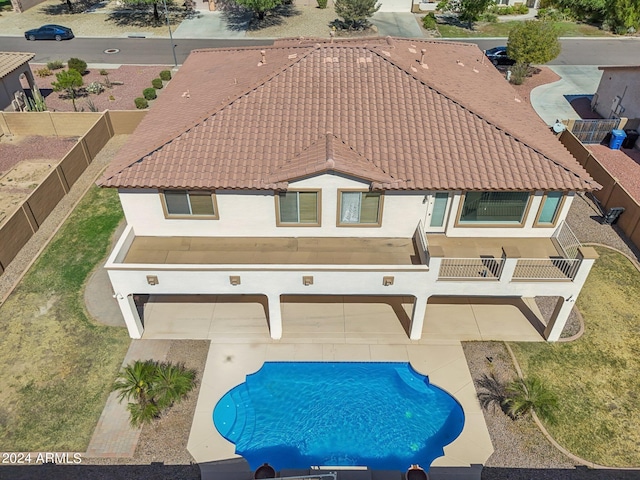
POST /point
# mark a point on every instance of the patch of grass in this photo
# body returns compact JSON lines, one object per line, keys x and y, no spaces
{"x":57,"y":366}
{"x":502,"y":29}
{"x":596,"y":377}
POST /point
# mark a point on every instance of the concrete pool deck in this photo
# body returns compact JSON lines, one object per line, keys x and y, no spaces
{"x":342,"y":330}
{"x":444,"y":363}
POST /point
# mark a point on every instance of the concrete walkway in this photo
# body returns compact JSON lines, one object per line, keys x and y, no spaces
{"x":397,"y":24}
{"x":113,"y":436}
{"x":549,"y":100}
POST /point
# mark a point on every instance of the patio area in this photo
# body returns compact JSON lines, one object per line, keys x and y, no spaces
{"x":339,"y":328}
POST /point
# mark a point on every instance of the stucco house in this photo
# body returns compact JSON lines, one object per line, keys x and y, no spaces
{"x":13,"y":65}
{"x":618,"y":93}
{"x":369,"y":167}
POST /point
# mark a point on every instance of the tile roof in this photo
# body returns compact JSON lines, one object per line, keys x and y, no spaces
{"x":9,"y":61}
{"x":371,"y":108}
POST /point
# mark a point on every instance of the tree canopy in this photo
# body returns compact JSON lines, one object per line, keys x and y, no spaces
{"x":468,"y":11}
{"x":68,"y":81}
{"x":533,"y":41}
{"x":356,"y":13}
{"x":259,"y":7}
{"x":620,"y":16}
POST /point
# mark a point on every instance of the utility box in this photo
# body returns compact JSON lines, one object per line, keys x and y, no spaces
{"x":617,"y":137}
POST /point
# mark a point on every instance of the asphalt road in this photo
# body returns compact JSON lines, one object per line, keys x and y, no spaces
{"x":144,"y":51}
{"x":157,"y":51}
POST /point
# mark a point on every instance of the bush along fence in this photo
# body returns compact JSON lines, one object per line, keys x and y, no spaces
{"x":96,"y":129}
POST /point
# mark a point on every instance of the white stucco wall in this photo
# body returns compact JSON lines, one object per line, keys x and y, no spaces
{"x":621,"y":82}
{"x":253,"y":214}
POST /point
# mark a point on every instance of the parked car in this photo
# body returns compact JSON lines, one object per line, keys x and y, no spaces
{"x":498,"y":56}
{"x":49,"y":32}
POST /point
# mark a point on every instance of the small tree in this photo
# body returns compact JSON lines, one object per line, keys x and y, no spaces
{"x":259,"y":7}
{"x":356,"y":13}
{"x":468,"y":10}
{"x":154,"y":3}
{"x":533,"y":41}
{"x":68,"y":81}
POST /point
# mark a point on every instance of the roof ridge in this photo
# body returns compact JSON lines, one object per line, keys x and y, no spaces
{"x":481,"y":117}
{"x":216,"y":110}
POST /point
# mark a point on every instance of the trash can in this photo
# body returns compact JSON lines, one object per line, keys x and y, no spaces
{"x":632,"y":137}
{"x":617,"y":137}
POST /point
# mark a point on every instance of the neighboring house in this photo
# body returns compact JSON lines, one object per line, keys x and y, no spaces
{"x":384,"y":167}
{"x":12,"y":66}
{"x":618,"y":93}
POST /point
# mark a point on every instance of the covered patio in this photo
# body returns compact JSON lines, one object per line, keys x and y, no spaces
{"x":340,"y":319}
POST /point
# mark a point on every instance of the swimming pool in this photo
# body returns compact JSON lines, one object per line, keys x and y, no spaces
{"x":298,"y":414}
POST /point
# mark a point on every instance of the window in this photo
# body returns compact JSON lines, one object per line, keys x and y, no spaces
{"x":359,"y":208}
{"x":298,"y":208}
{"x":500,"y":208}
{"x":549,"y":209}
{"x":440,"y":201}
{"x":183,"y":203}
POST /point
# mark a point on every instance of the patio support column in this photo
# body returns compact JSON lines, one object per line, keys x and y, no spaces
{"x":417,"y":317}
{"x":130,"y":314}
{"x":275,"y":316}
{"x":559,"y":318}
{"x":510,"y":256}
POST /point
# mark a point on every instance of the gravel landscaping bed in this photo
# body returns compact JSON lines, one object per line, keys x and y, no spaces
{"x":134,"y":79}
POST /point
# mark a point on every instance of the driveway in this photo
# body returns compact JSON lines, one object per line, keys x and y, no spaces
{"x":397,"y":24}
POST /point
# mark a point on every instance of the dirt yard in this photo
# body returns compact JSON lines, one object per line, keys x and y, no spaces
{"x":24,"y":163}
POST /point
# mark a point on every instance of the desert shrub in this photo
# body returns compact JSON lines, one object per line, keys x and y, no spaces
{"x":104,"y":73}
{"x":112,"y":98}
{"x":429,"y":21}
{"x":78,"y":65}
{"x":43,"y":72}
{"x":165,"y":75}
{"x":149,"y":93}
{"x":95,"y":87}
{"x":141,"y":103}
{"x":157,"y":83}
{"x":520,"y":9}
{"x":519,"y":72}
{"x":490,"y":17}
{"x":322,"y":3}
{"x":55,"y":65}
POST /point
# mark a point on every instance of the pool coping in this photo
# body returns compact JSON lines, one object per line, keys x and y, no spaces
{"x":443,"y":362}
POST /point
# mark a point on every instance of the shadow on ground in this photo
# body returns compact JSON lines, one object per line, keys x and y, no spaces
{"x":142,"y":16}
{"x":77,"y":6}
{"x":578,"y":473}
{"x":239,"y":18}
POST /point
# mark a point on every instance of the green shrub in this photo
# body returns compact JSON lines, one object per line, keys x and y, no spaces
{"x":104,"y":73}
{"x":78,"y":65}
{"x":429,"y":21}
{"x":141,"y":102}
{"x":43,"y":72}
{"x":165,"y":75}
{"x":157,"y":83}
{"x":55,"y":65}
{"x":490,"y":18}
{"x":520,"y":9}
{"x":149,"y":93}
{"x":322,"y":3}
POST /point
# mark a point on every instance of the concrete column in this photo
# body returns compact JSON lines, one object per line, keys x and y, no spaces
{"x":588,"y":255}
{"x":510,"y":256}
{"x":130,"y":314}
{"x":417,"y":317}
{"x":275,"y":316}
{"x":559,"y":318}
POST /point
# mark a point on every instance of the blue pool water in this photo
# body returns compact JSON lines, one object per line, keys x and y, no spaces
{"x":298,"y":414}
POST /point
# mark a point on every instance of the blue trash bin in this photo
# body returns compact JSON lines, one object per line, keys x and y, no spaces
{"x":617,"y":137}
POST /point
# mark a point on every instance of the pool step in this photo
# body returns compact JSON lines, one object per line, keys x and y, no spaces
{"x":244,"y":427}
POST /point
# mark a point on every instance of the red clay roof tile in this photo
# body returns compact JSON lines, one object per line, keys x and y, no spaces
{"x":228,"y":120}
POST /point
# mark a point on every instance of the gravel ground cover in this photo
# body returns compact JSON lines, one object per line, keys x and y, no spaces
{"x":106,"y":19}
{"x":19,"y":148}
{"x":134,"y":79}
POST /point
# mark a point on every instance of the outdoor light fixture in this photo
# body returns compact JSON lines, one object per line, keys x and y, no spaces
{"x":234,"y":280}
{"x":387,"y":281}
{"x":152,"y":280}
{"x":307,"y":280}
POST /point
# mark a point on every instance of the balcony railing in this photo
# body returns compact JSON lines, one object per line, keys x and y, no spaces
{"x":546,"y":269}
{"x":471,"y":268}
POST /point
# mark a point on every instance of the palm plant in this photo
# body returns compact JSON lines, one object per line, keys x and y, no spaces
{"x":530,"y":394}
{"x":171,"y":384}
{"x":493,"y":393}
{"x":151,"y":387}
